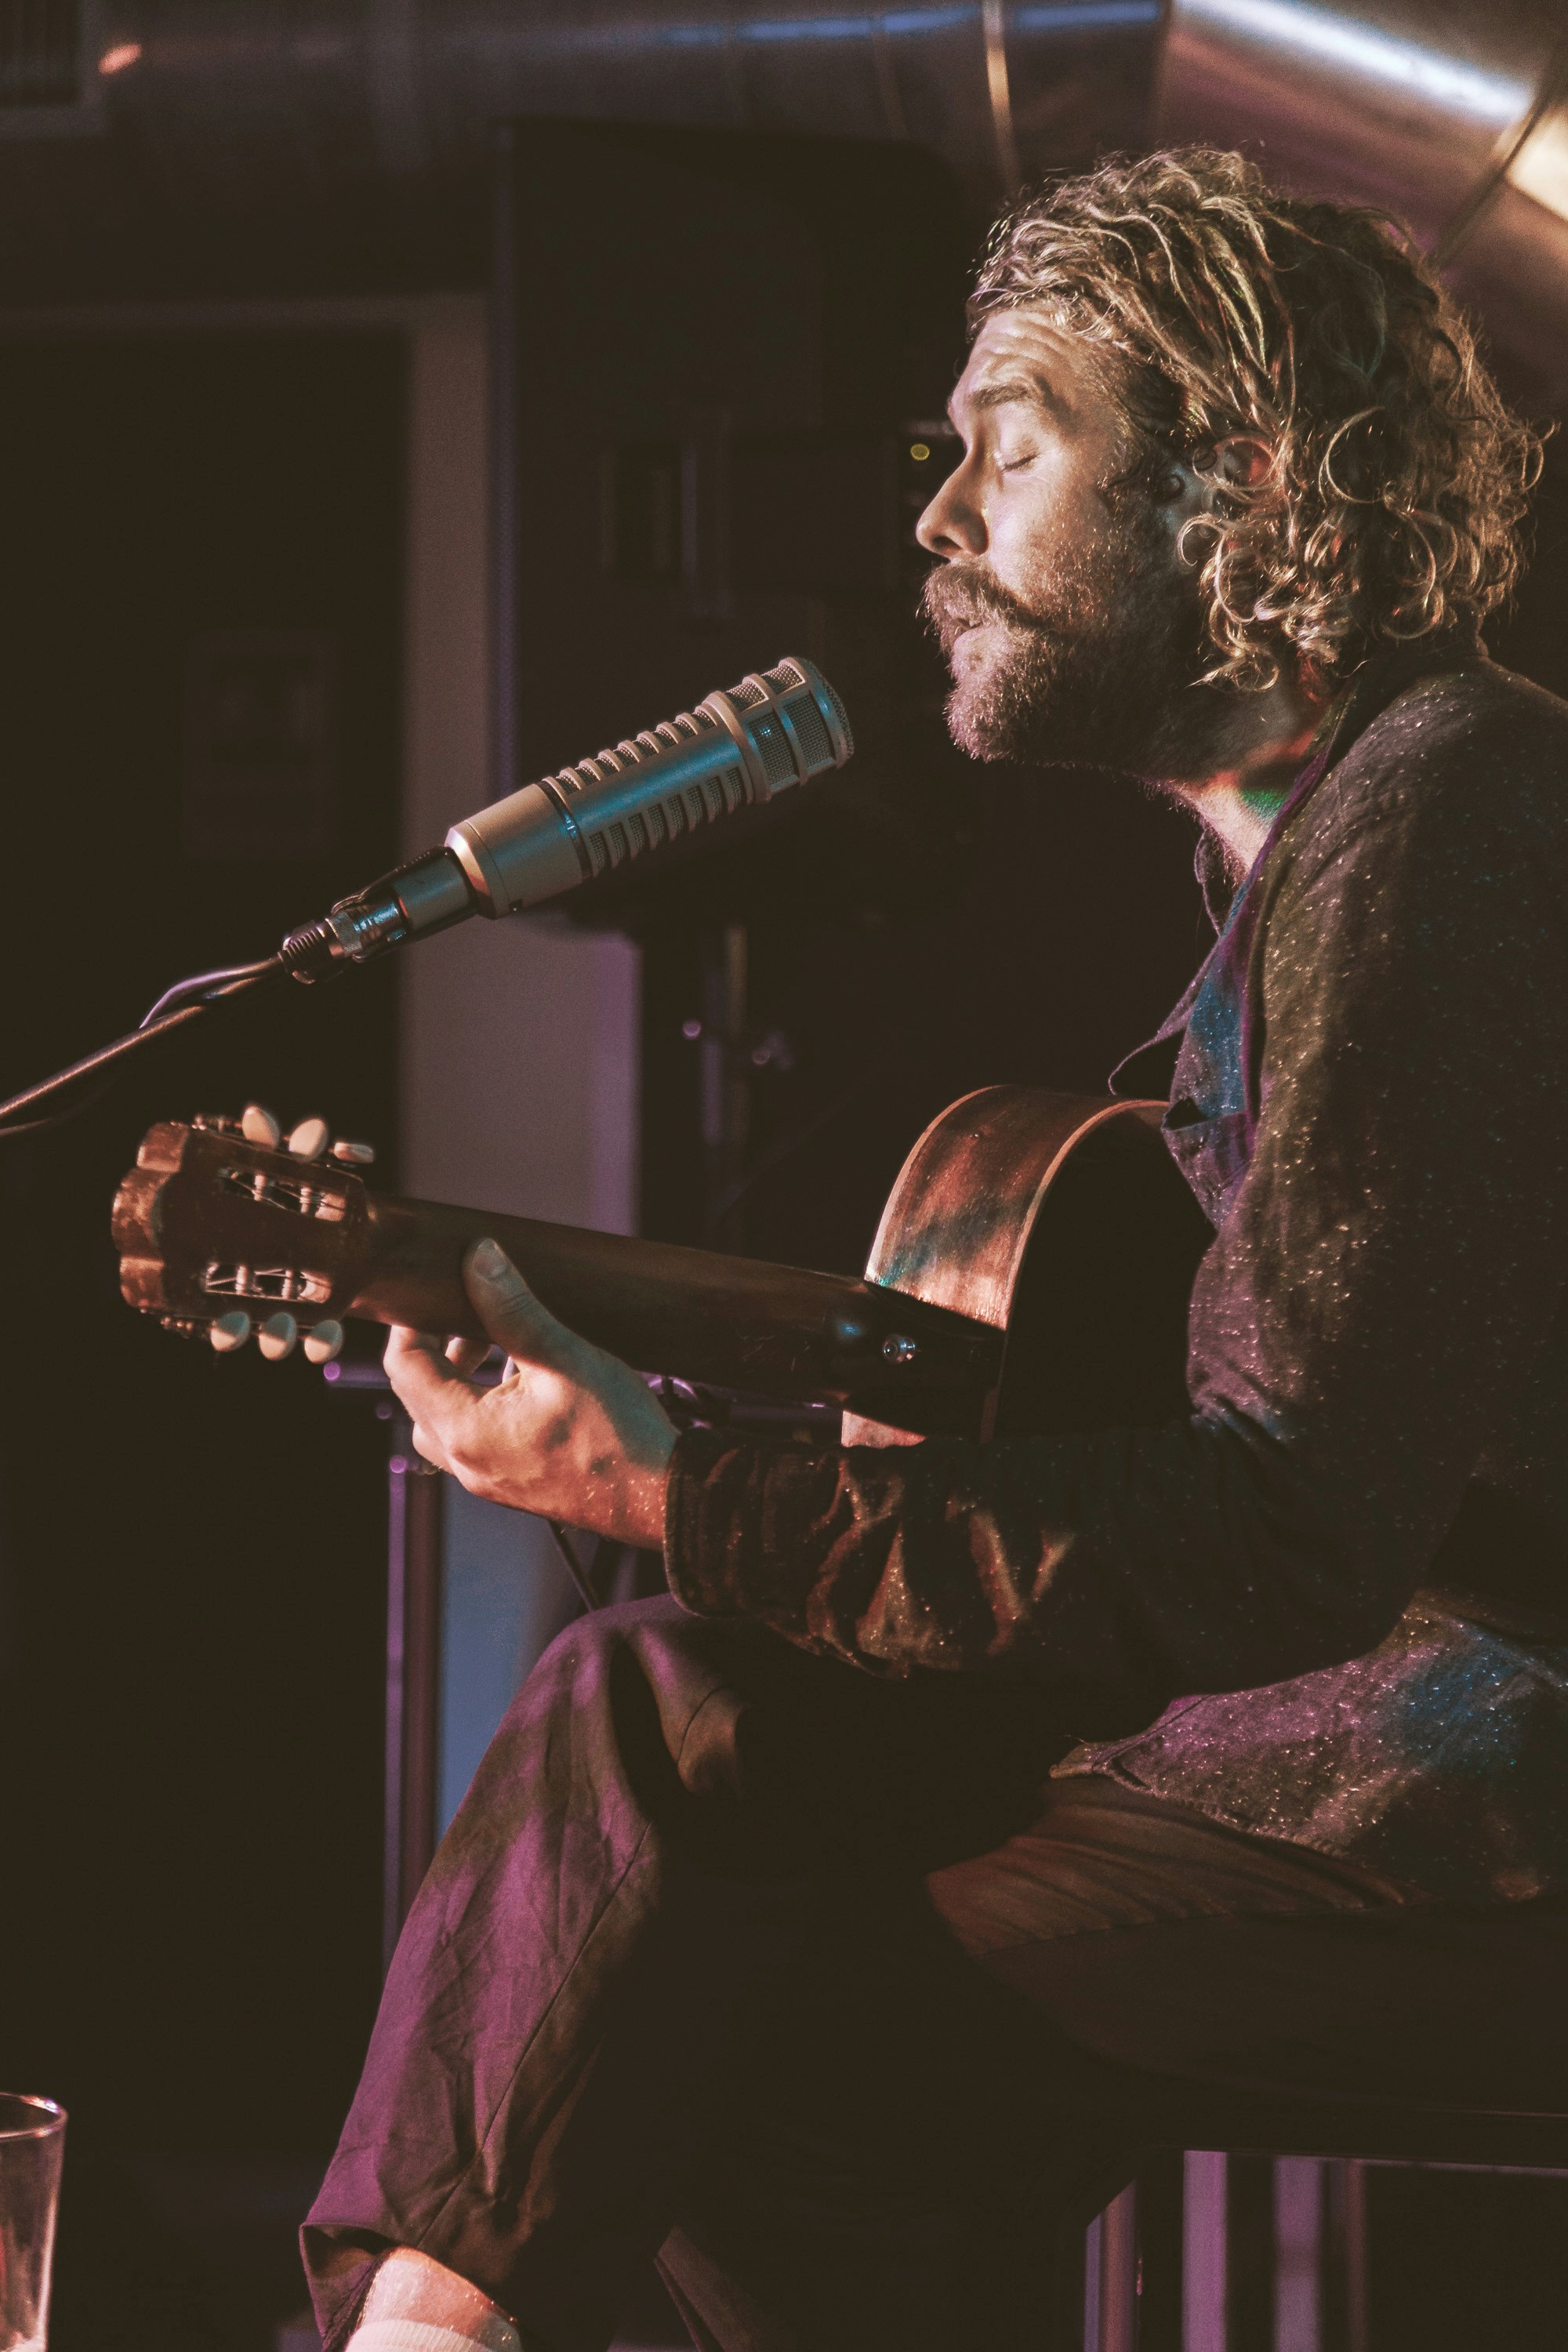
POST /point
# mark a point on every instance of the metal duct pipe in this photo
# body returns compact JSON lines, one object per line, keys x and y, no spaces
{"x":1450,"y":115}
{"x":187,"y":148}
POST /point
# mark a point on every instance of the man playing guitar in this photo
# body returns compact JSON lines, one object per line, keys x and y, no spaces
{"x":819,"y":1927}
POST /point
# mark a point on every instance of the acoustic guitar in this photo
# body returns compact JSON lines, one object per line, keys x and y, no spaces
{"x":1031,"y":1271}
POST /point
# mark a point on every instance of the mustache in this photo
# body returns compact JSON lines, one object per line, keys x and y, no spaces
{"x":956,"y":596}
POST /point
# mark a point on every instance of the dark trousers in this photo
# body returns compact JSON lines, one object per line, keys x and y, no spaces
{"x":807,"y":1979}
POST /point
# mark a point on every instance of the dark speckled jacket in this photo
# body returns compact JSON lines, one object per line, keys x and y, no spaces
{"x":1331,"y":1606}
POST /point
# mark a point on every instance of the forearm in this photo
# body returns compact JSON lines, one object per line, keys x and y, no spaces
{"x":1117,"y":1570}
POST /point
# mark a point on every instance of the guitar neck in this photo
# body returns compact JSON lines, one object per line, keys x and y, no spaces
{"x":733,"y":1322}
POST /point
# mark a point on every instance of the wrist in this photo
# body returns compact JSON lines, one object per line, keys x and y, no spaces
{"x":642,"y":1516}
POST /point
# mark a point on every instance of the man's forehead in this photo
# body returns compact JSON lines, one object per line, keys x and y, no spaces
{"x":1026,"y":353}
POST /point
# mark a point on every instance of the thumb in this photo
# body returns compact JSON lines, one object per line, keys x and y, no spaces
{"x":508,"y":1311}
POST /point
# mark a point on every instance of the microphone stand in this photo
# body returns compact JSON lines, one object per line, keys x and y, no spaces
{"x":38,"y":1106}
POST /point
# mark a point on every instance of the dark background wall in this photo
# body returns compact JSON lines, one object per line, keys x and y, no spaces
{"x":194,"y":1562}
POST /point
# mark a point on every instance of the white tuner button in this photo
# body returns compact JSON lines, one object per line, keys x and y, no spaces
{"x":324,"y":1342}
{"x":359,"y":1155}
{"x":309,"y":1140}
{"x":259,"y":1125}
{"x":229,"y":1331}
{"x":277,"y":1337}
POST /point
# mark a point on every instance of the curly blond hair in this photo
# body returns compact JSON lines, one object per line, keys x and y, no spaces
{"x":1397,"y":478}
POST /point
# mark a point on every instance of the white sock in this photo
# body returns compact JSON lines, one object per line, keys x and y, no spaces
{"x":412,"y":2335}
{"x":416,"y":2304}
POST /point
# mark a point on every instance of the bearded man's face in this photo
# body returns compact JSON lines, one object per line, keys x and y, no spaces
{"x":1070,"y":619}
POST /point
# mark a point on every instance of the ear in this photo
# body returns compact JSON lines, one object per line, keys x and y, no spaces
{"x":1243,"y":459}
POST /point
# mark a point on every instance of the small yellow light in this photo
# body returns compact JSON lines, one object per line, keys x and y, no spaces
{"x":920,"y":451}
{"x":115,"y":60}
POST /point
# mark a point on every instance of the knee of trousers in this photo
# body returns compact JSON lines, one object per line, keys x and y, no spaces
{"x":602,"y":1663}
{"x":633,"y":1698}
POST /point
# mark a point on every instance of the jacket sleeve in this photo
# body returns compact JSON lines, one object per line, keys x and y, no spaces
{"x":1387,"y":1275}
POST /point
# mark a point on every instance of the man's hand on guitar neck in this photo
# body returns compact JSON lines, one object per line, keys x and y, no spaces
{"x":571,"y":1432}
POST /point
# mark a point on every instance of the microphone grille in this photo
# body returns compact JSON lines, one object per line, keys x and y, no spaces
{"x":801,"y":687}
{"x":812,"y":730}
{"x":818,"y":720}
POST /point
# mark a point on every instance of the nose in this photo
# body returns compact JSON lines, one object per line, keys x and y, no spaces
{"x":953,"y":523}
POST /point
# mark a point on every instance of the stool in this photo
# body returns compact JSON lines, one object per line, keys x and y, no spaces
{"x":1207,"y":2126}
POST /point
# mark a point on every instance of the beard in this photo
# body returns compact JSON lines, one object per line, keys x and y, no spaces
{"x":1102,"y":668}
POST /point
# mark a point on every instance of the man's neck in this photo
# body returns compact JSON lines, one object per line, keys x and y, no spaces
{"x":1235,"y":768}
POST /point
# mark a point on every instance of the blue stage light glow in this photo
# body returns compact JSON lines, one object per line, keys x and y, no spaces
{"x":898,"y":23}
{"x":1083,"y":15}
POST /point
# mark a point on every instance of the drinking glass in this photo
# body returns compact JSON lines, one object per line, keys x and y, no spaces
{"x":32,"y":2144}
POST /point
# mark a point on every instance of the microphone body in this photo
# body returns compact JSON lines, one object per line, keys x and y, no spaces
{"x":739,"y":748}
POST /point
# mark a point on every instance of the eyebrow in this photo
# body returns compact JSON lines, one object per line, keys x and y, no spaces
{"x":1004,"y":392}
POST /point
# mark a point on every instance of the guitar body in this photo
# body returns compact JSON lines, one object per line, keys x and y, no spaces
{"x":1031,"y":1271}
{"x":1061,"y":1222}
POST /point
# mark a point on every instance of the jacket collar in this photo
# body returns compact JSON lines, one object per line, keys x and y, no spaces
{"x":1367,"y":695}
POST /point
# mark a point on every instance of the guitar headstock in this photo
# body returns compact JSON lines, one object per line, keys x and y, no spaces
{"x":223,"y":1227}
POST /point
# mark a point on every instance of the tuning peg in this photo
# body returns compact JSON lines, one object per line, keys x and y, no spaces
{"x":277,"y":1337}
{"x":259,"y":1125}
{"x":324,"y":1342}
{"x":359,"y":1155}
{"x":309,"y":1140}
{"x":229,"y":1331}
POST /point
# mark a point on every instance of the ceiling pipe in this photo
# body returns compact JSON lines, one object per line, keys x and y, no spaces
{"x":341,"y":146}
{"x":1451,"y":116}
